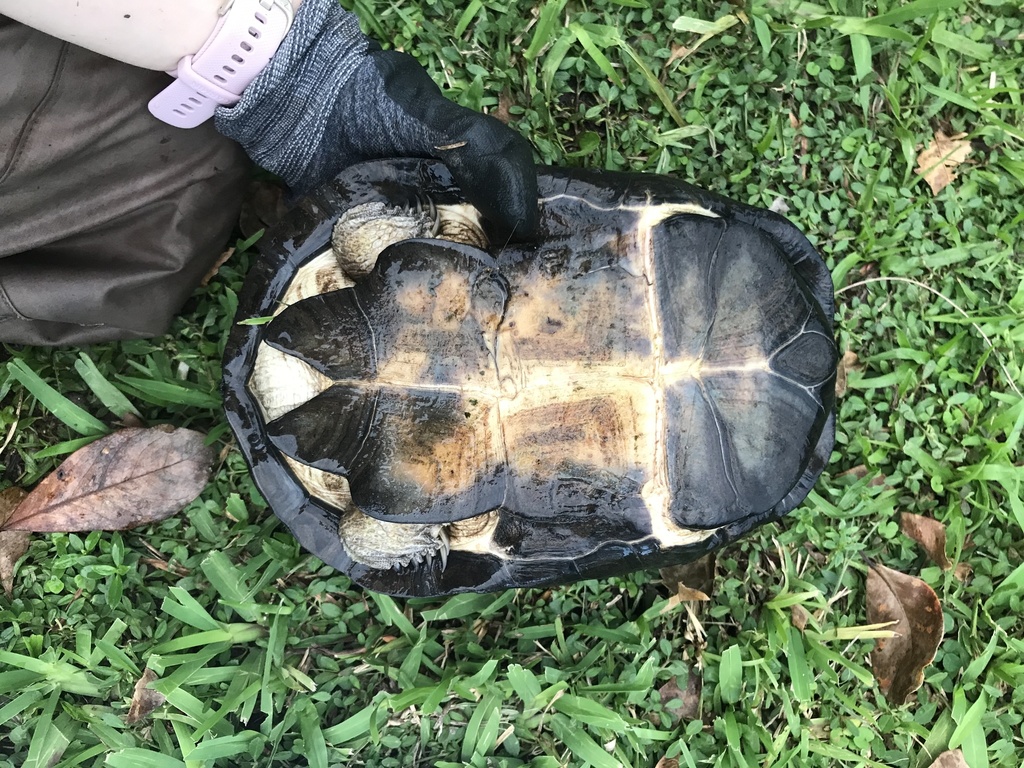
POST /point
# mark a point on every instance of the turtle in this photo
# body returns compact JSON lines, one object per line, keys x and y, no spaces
{"x":434,"y":409}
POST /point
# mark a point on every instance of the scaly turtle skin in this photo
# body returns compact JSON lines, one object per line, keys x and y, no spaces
{"x":435,"y":413}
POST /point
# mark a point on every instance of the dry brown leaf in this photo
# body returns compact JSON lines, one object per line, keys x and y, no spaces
{"x":10,"y":498}
{"x":215,"y":267}
{"x":131,"y":421}
{"x":898,"y":662}
{"x":144,"y":699}
{"x":13,"y":544}
{"x":930,"y":534}
{"x":503,"y":111}
{"x":799,"y":616}
{"x":688,"y":595}
{"x":847,"y":363}
{"x":125,"y":479}
{"x":953,"y":758}
{"x":802,"y":143}
{"x":859,"y":472}
{"x":163,"y":565}
{"x":698,"y":576}
{"x":962,"y":572}
{"x":679,"y":52}
{"x":689,"y":708}
{"x":262,"y":207}
{"x":938,"y":161}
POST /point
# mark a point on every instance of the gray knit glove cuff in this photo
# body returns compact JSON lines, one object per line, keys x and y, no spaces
{"x":330,"y":97}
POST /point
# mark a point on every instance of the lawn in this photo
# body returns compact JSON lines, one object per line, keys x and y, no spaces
{"x":266,"y":657}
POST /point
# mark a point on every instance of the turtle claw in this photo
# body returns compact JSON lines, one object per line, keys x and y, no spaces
{"x":444,"y":548}
{"x":388,"y":546}
{"x":425,"y":206}
{"x":438,"y":546}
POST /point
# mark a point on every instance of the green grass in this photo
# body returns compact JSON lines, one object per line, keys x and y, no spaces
{"x":268,"y":658}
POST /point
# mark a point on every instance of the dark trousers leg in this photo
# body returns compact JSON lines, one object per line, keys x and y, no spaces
{"x":108,"y":217}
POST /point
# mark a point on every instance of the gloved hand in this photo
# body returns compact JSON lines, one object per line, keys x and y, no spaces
{"x":331,"y":97}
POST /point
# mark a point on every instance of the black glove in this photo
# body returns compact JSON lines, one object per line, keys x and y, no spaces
{"x":330,"y":97}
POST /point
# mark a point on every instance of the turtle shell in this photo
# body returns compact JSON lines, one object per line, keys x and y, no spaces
{"x":650,"y":378}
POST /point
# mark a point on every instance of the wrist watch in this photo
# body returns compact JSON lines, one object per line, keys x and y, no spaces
{"x":246,"y":36}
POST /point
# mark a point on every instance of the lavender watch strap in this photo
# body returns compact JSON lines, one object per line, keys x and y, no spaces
{"x":245,"y":38}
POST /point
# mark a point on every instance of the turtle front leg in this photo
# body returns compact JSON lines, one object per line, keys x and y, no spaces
{"x":364,"y":231}
{"x":384,"y":546}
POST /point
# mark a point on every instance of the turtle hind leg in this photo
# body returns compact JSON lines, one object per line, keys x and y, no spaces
{"x":386,"y":546}
{"x":460,"y":223}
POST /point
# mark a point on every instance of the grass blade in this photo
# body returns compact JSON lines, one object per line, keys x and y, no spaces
{"x":134,"y":757}
{"x":542,"y":32}
{"x":730,"y":674}
{"x":167,"y":393}
{"x":467,"y":17}
{"x":654,"y":84}
{"x":75,"y":417}
{"x":916,"y":9}
{"x":961,"y":44}
{"x":584,"y":748}
{"x":63,"y":448}
{"x":596,"y":53}
{"x":314,"y":746}
{"x":111,"y":397}
{"x":235,"y":745}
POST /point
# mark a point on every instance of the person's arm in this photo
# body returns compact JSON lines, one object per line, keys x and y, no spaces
{"x":329,"y":97}
{"x":154,"y":34}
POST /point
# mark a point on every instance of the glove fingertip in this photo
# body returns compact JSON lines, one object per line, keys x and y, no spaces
{"x":494,"y":167}
{"x":510,"y":200}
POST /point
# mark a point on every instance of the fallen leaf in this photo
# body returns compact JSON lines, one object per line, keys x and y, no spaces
{"x":144,"y":699}
{"x":859,"y":472}
{"x":215,"y":267}
{"x":847,"y":363}
{"x":962,"y":572}
{"x":10,"y":498}
{"x":953,"y":758}
{"x":799,"y":616}
{"x":688,"y":595}
{"x":938,"y":161}
{"x":132,"y":421}
{"x":262,"y":207}
{"x":898,"y":662}
{"x":930,"y":534}
{"x":689,"y":697}
{"x":13,"y":544}
{"x":696,"y":576}
{"x":802,"y":143}
{"x":124,"y":479}
{"x":163,"y":565}
{"x":679,"y":52}
{"x":503,"y":111}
